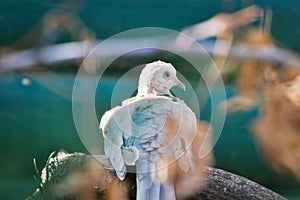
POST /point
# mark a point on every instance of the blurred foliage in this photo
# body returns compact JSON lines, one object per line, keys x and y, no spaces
{"x":34,"y":121}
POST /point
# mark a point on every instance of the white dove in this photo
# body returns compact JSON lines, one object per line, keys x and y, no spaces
{"x":154,"y":132}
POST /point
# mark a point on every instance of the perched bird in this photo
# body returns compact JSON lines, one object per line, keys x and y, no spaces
{"x":277,"y":129}
{"x":159,"y":135}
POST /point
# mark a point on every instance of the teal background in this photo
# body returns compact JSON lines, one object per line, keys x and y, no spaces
{"x":36,"y":120}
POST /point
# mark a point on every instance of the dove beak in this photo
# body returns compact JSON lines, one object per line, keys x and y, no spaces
{"x":179,"y":84}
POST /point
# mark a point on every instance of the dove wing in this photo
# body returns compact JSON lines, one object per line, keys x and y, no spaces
{"x":116,"y":126}
{"x":178,"y":134}
{"x":187,"y":128}
{"x":166,"y":128}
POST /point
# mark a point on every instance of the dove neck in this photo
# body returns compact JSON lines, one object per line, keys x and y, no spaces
{"x":145,"y":91}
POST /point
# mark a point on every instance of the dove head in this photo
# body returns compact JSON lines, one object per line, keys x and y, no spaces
{"x":158,"y":78}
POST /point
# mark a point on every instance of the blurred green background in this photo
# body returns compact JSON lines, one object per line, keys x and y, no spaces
{"x":36,"y":119}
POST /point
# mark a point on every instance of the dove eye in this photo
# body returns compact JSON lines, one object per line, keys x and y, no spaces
{"x":166,"y":74}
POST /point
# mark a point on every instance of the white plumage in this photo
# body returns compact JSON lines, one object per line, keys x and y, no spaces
{"x":152,"y":131}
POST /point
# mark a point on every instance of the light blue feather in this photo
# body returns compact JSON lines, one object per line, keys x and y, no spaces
{"x":138,"y":126}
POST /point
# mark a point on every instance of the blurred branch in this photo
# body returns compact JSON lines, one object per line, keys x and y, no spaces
{"x":70,"y":52}
{"x":64,"y":169}
{"x":221,"y":26}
